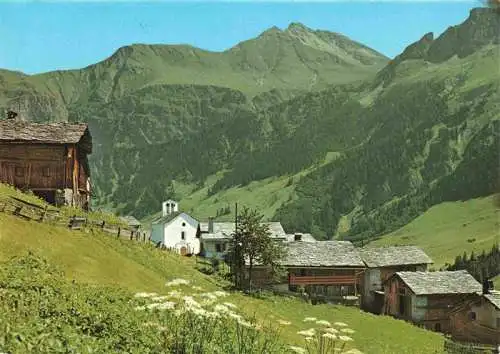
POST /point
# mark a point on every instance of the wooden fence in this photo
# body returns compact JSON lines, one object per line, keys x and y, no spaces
{"x":453,"y":347}
{"x":29,"y":211}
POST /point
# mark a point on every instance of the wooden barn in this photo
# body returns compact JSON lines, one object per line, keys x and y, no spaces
{"x":325,"y":269}
{"x":48,"y":159}
{"x":427,"y":298}
{"x":382,"y":263}
{"x":477,"y":319}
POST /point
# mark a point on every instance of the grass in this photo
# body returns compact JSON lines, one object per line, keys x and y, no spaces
{"x":95,"y":258}
{"x":450,"y":229}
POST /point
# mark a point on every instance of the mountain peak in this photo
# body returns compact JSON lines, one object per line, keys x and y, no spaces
{"x":297,"y":27}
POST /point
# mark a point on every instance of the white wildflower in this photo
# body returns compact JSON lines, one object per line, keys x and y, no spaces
{"x":167,"y":305}
{"x":230,"y":305}
{"x":175,"y":293}
{"x":209,"y":295}
{"x":142,"y":295}
{"x":347,"y":330}
{"x":309,"y":339}
{"x":323,"y":323}
{"x":195,"y":287}
{"x":159,"y":298}
{"x":310,"y":319}
{"x":244,"y":323}
{"x":340,"y":324}
{"x":207,"y":302}
{"x":220,"y":293}
{"x":331,"y":330}
{"x":298,"y":350}
{"x":140,"y":308}
{"x":234,"y":315}
{"x":345,"y":338}
{"x":329,"y":336}
{"x":284,"y":323}
{"x":152,"y":306}
{"x":353,"y":351}
{"x":222,"y":309}
{"x":176,"y":282}
{"x":307,"y":333}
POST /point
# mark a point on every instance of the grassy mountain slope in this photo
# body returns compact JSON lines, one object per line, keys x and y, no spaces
{"x":433,"y":127}
{"x":159,"y":112}
{"x":450,"y":229}
{"x":95,"y":258}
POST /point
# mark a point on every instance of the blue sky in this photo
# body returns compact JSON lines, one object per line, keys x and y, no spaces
{"x":42,"y":36}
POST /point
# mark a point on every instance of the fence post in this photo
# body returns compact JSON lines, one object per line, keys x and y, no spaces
{"x":119,"y":230}
{"x":103,"y":223}
{"x":42,"y":218}
{"x":131,"y":235}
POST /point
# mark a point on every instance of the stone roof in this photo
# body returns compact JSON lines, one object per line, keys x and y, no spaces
{"x":322,"y":254}
{"x":440,"y":283}
{"x":305,"y":237}
{"x":224,"y":230}
{"x":394,"y":255}
{"x":494,"y":298}
{"x":49,"y":133}
{"x":130,"y":220}
{"x":170,"y":217}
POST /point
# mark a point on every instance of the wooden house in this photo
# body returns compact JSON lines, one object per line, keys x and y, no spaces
{"x":329,"y":269}
{"x":381,"y":264}
{"x":49,"y":159}
{"x":477,"y":319}
{"x":427,"y":298}
{"x":216,"y":236}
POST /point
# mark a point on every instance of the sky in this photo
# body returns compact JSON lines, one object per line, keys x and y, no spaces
{"x":40,"y":36}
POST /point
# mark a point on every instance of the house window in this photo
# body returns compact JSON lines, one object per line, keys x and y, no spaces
{"x":472,"y":316}
{"x":46,"y":172}
{"x":183,"y":224}
{"x":218,"y":247}
{"x":19,"y":171}
{"x":183,"y":235}
{"x":437,"y":327}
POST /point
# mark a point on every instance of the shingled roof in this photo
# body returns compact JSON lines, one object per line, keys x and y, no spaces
{"x":322,"y":254}
{"x":493,"y":298}
{"x":225,"y":230}
{"x":393,"y":256}
{"x":49,"y":133}
{"x":440,"y":283}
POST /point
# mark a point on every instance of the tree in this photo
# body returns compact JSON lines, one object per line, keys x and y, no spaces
{"x":252,"y":245}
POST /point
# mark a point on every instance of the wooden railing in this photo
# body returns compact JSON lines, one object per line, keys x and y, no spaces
{"x":29,"y":211}
{"x":323,"y":280}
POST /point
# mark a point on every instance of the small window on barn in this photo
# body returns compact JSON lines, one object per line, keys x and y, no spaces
{"x":46,"y":172}
{"x":437,"y":327}
{"x":218,"y":247}
{"x":19,"y":171}
{"x":498,"y":322}
{"x":183,"y":235}
{"x":472,"y":316}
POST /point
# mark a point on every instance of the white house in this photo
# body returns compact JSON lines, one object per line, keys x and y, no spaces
{"x":177,"y":231}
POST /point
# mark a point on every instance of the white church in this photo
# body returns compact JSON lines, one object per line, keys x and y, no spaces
{"x":176,"y":230}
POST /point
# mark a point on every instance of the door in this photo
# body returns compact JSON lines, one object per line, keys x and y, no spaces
{"x":183,"y":250}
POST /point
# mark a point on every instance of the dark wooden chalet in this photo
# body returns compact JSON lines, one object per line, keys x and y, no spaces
{"x":330,"y":269}
{"x":49,"y":159}
{"x":477,"y":319}
{"x":382,"y":263}
{"x":427,"y":298}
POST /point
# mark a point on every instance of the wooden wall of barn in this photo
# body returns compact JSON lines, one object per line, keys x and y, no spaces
{"x":33,"y":166}
{"x":480,"y":330}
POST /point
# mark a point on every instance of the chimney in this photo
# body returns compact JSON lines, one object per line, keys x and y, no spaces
{"x":487,"y":286}
{"x":210,"y":225}
{"x":297,"y":237}
{"x":11,"y":114}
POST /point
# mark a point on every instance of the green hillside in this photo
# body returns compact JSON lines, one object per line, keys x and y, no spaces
{"x":96,"y":261}
{"x":450,"y":229}
{"x":404,"y":136}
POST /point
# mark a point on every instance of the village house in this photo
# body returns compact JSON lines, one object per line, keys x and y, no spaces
{"x":134,"y":224}
{"x":477,"y":319}
{"x":427,"y":298}
{"x":48,"y":159}
{"x":327,"y":269}
{"x":381,"y":264}
{"x":216,"y":237}
{"x":176,"y":231}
